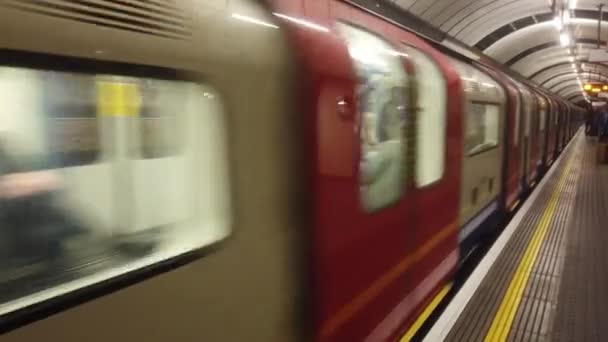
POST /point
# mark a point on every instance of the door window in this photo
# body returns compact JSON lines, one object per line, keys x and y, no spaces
{"x":383,"y":100}
{"x":431,"y":118}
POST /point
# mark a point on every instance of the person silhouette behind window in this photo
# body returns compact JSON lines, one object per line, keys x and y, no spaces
{"x":33,"y":226}
{"x":381,"y":169}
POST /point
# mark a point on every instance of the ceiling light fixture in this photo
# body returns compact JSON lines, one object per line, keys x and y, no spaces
{"x":557,"y":21}
{"x":302,"y":22}
{"x":566,"y":18}
{"x":253,"y":20}
{"x":564,"y":38}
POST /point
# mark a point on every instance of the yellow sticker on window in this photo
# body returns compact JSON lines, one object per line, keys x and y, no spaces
{"x":118,"y":99}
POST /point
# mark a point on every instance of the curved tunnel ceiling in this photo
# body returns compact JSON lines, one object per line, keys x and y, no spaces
{"x":521,"y":34}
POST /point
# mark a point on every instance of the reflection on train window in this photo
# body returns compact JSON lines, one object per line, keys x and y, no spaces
{"x":527,"y":112}
{"x":383,"y":100}
{"x":543,"y":118}
{"x":542,"y":125}
{"x":73,"y":130}
{"x":535,"y":118}
{"x":431,"y":119}
{"x":482,"y":127}
{"x":158,"y":120}
{"x":75,"y":206}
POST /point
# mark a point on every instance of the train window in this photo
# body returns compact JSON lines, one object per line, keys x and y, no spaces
{"x":75,"y":207}
{"x":383,"y":99}
{"x":482,"y":127}
{"x":431,"y":120}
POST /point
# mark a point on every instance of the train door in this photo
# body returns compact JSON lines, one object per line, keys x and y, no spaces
{"x":535,"y":152}
{"x":544,"y":135}
{"x":565,"y":120}
{"x":437,"y":171}
{"x":557,"y":124}
{"x":569,"y":121}
{"x":526,"y":135}
{"x":551,"y":131}
{"x":482,"y":172}
{"x":514,"y":148}
{"x":362,"y":229}
{"x":542,"y":131}
{"x":563,"y":127}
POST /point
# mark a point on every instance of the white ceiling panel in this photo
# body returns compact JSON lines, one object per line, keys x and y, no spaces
{"x":420,"y":7}
{"x":405,"y":4}
{"x":541,"y":59}
{"x":506,"y":48}
{"x":559,"y":79}
{"x":538,"y":34}
{"x":479,"y":26}
{"x":444,"y":10}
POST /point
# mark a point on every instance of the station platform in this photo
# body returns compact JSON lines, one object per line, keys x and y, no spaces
{"x":545,"y":278}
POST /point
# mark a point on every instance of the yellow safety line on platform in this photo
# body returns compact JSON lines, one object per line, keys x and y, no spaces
{"x":426,"y":313}
{"x":501,"y":325}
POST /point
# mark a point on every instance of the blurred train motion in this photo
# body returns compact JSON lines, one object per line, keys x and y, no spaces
{"x":317,"y":172}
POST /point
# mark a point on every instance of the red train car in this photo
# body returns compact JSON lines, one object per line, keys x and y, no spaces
{"x":376,"y":233}
{"x":378,"y":262}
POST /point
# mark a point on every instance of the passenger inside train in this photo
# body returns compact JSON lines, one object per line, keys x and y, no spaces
{"x":382,"y":103}
{"x":35,"y":227}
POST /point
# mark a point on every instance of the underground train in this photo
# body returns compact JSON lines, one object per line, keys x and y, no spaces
{"x":281,"y":170}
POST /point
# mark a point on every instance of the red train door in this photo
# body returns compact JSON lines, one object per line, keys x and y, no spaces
{"x":526,"y":134}
{"x":542,"y":130}
{"x":551,"y":129}
{"x":367,"y":228}
{"x":363,"y":246}
{"x":513,"y":146}
{"x":436,"y":139}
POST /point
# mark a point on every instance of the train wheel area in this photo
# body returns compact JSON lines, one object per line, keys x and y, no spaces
{"x":541,"y":280}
